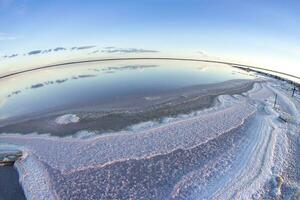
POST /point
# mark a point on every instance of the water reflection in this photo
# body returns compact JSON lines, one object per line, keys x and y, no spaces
{"x":73,"y":86}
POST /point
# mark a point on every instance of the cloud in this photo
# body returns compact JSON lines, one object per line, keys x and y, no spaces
{"x":83,"y":47}
{"x":202,"y":53}
{"x":59,"y":49}
{"x":13,"y":55}
{"x":5,"y":37}
{"x":127,"y":50}
{"x":34,"y":52}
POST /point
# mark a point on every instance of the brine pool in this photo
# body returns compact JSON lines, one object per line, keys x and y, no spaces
{"x":75,"y":85}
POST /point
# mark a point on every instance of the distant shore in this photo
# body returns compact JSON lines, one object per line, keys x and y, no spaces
{"x":142,"y":58}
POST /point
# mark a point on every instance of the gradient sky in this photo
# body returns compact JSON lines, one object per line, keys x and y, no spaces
{"x":258,"y":31}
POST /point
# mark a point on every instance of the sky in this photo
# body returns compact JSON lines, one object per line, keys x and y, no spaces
{"x":261,"y":32}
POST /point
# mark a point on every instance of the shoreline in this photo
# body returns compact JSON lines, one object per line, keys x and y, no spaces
{"x":240,"y":123}
{"x":116,"y":115}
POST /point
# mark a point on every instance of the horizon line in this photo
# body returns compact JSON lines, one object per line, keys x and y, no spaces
{"x":144,"y":58}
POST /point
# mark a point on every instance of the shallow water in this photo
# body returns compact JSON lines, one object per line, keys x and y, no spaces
{"x":90,"y":83}
{"x":10,"y":188}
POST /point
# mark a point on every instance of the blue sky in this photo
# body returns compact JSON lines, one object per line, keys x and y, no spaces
{"x":248,"y":30}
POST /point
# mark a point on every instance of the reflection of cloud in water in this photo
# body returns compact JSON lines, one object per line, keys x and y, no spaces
{"x":107,"y":70}
{"x":84,"y":76}
{"x":2,"y":102}
{"x":96,"y":70}
{"x":37,"y":85}
{"x":48,"y":82}
{"x":14,"y":93}
{"x":127,"y":50}
{"x":202,"y":69}
{"x":58,"y":81}
{"x":61,"y":80}
{"x":128,"y":67}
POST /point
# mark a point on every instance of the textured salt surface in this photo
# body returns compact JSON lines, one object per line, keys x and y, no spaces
{"x":234,"y":150}
{"x":67,"y":119}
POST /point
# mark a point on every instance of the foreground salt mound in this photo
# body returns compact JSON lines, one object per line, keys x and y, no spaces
{"x":67,"y":119}
{"x":234,"y":150}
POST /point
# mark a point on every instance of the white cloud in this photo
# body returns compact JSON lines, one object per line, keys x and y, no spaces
{"x":5,"y":37}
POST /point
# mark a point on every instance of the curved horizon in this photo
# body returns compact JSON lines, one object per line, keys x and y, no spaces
{"x":148,"y":58}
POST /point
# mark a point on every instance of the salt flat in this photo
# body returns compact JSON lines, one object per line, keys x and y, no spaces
{"x":237,"y":149}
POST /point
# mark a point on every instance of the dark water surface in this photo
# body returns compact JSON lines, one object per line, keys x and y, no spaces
{"x":10,"y":189}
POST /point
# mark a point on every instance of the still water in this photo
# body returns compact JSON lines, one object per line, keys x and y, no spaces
{"x":90,"y":83}
{"x":10,"y":189}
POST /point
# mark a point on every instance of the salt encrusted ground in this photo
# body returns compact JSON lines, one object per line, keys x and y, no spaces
{"x":238,"y":149}
{"x":67,"y":119}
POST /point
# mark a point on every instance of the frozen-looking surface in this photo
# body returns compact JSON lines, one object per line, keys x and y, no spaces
{"x":238,"y":149}
{"x":67,"y":119}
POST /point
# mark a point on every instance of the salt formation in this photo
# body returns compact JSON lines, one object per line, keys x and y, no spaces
{"x":234,"y":150}
{"x":67,"y":119}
